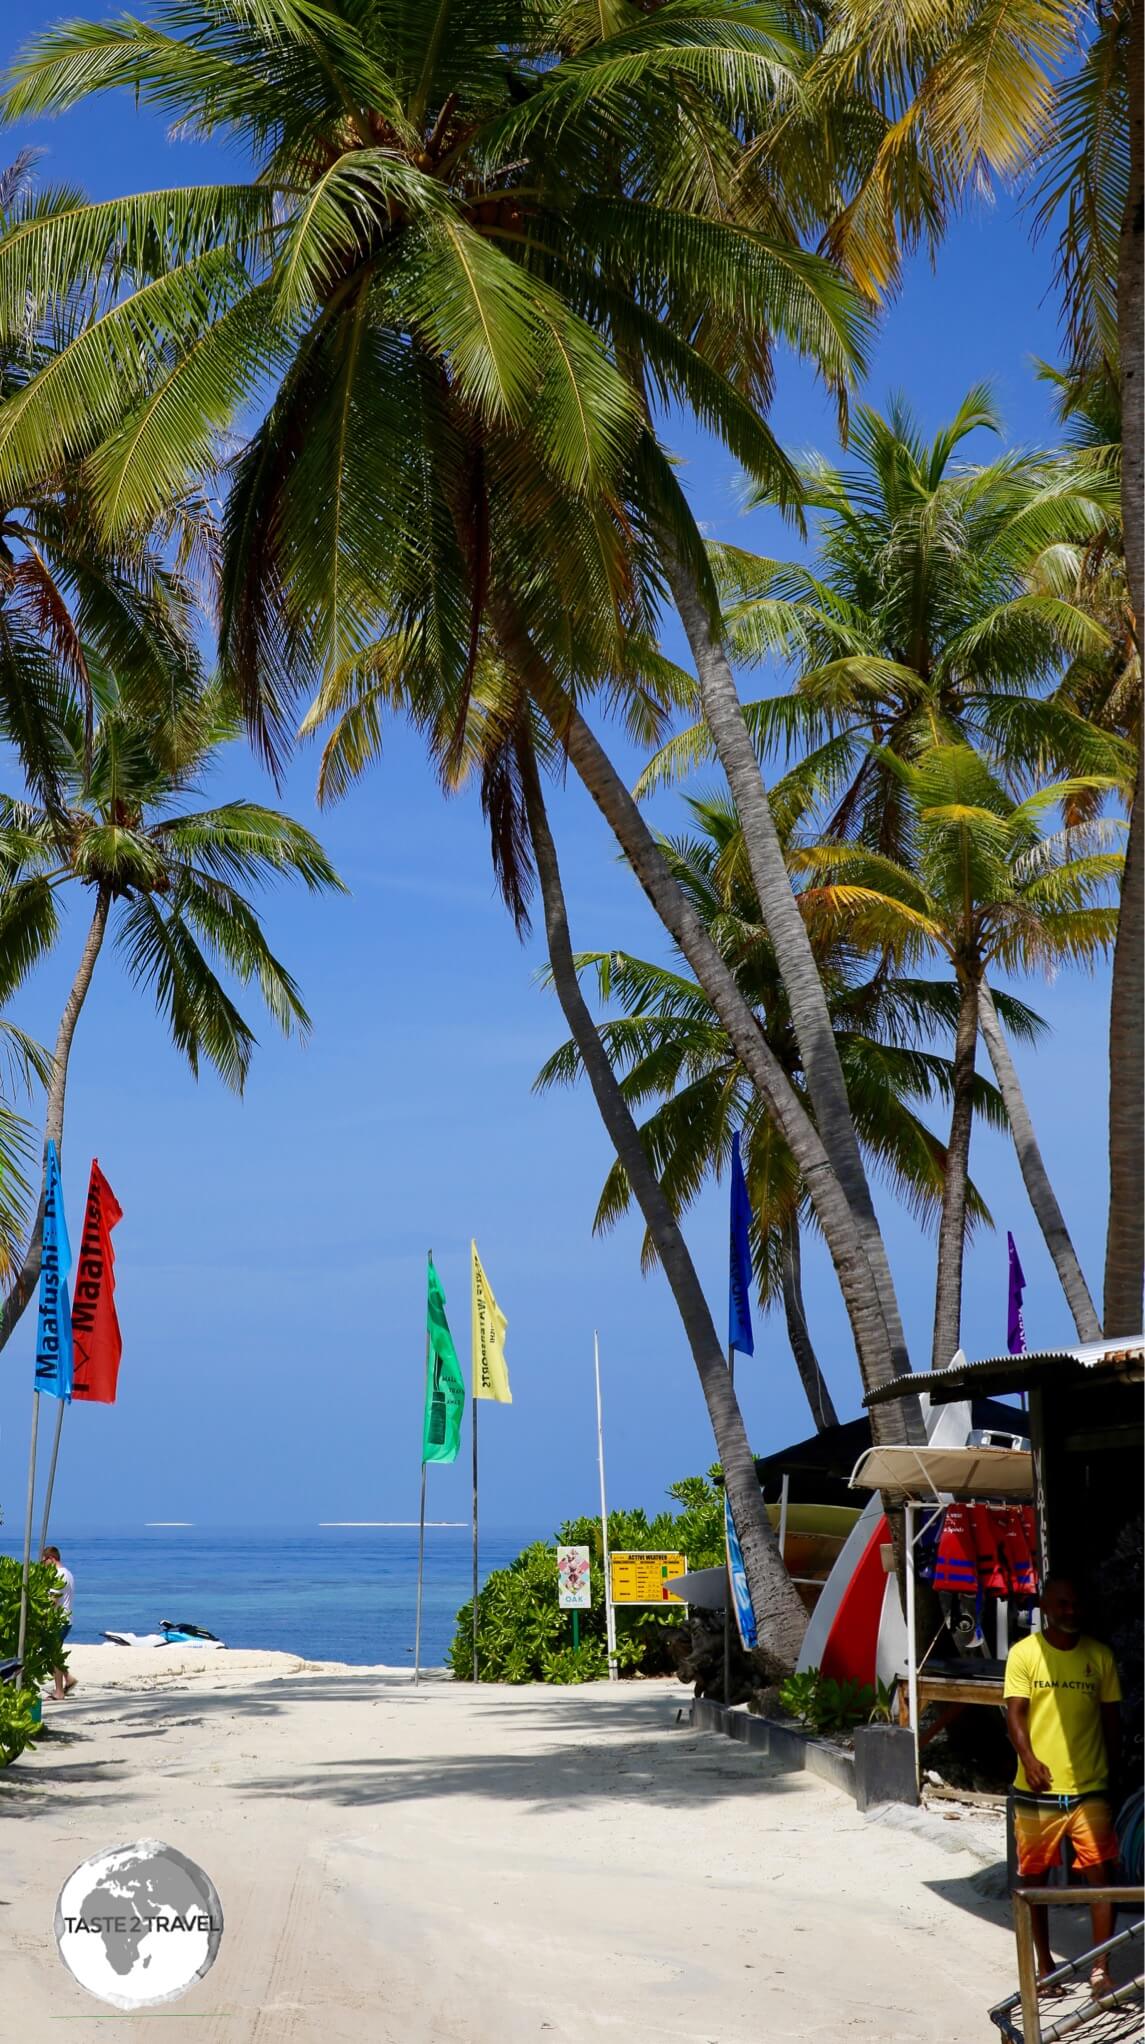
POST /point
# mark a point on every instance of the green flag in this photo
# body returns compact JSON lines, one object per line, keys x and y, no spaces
{"x":444,"y":1383}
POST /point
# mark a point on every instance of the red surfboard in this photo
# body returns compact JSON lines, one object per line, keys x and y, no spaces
{"x":851,"y":1649}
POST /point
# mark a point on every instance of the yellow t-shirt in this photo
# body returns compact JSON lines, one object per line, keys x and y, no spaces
{"x":1066,"y":1687}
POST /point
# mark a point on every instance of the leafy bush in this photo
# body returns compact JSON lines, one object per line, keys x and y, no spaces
{"x":44,"y":1640}
{"x":18,"y":1727}
{"x":524,"y":1636}
{"x":43,"y":1649}
{"x":826,"y":1705}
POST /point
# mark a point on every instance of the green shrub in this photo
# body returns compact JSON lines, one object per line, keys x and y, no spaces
{"x":18,"y":1727}
{"x":44,"y":1640}
{"x":524,"y":1636}
{"x":43,"y":1649}
{"x":826,"y":1705}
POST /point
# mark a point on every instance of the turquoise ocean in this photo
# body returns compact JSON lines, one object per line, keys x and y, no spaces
{"x":329,"y":1593}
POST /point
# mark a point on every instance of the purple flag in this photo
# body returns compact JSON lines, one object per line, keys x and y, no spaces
{"x":1015,"y":1325}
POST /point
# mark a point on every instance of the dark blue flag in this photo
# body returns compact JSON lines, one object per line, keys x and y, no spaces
{"x":1015,"y":1323}
{"x":740,"y":1335}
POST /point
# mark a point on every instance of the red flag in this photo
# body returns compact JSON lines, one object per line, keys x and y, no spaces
{"x":96,"y":1339}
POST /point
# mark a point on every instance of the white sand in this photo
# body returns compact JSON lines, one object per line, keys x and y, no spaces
{"x":450,"y":1866}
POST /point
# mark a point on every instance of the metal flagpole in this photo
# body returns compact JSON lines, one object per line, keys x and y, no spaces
{"x":728,"y":1571}
{"x":609,"y":1613}
{"x":911,"y":1636}
{"x":420,"y":1571}
{"x":421,"y":1509}
{"x":475,"y":1538}
{"x":23,"y":1627}
{"x":52,"y":1474}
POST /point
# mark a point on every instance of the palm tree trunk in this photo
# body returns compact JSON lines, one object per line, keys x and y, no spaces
{"x":24,"y":1284}
{"x":811,"y":1020}
{"x":901,"y":1420}
{"x":955,"y":1184}
{"x":799,"y":1334}
{"x":1125,"y":1235}
{"x":1036,"y":1178}
{"x":778,"y":1609}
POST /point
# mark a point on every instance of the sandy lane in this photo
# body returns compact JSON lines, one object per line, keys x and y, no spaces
{"x":460,"y":1867}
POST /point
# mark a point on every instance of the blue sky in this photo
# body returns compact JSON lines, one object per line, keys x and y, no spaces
{"x":271,"y":1257}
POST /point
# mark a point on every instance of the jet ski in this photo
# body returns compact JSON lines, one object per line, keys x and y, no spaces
{"x":184,"y":1634}
{"x":170,"y":1635}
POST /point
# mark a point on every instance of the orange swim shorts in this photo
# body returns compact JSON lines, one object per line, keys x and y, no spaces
{"x":1042,"y":1823}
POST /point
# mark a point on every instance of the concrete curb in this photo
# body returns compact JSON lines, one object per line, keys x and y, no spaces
{"x":794,"y":1750}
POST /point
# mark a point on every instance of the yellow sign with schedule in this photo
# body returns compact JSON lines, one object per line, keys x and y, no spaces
{"x":645,"y":1578}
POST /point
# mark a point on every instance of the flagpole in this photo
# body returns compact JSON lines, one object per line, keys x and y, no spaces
{"x":23,"y":1627}
{"x":420,"y":1569}
{"x":475,"y":1538}
{"x":421,"y":1527}
{"x":728,"y":1572}
{"x":52,"y":1473}
{"x":609,"y":1612}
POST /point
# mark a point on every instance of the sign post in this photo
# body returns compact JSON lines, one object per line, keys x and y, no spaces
{"x":574,"y":1586}
{"x":609,"y":1613}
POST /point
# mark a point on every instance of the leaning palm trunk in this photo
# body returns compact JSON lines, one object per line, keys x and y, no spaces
{"x":901,"y":1420}
{"x":1125,"y":1233}
{"x":24,"y":1285}
{"x":798,"y":1333}
{"x":811,"y":1020}
{"x":775,"y":1600}
{"x":1125,"y":1237}
{"x":896,"y":1422}
{"x":1047,"y":1212}
{"x":955,"y":1185}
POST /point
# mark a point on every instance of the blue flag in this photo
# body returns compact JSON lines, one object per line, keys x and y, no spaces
{"x":54,"y":1330}
{"x":1015,"y":1323}
{"x":739,"y":1273}
{"x":741,"y":1595}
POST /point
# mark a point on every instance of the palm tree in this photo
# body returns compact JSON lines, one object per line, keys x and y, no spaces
{"x":779,"y":1613}
{"x":172,"y":882}
{"x":448,"y":286}
{"x":74,"y":600}
{"x":927,"y":613}
{"x":671,"y":1048}
{"x":1053,"y":95}
{"x":1108,"y":692}
{"x":504,"y":745}
{"x":982,"y":884}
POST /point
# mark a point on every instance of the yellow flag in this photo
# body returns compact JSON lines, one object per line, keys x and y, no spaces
{"x":490,"y":1377}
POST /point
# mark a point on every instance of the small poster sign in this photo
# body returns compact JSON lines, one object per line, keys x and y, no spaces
{"x":574,"y":1592}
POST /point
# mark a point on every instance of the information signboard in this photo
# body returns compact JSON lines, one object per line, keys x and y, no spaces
{"x":574,"y":1591}
{"x":645,"y":1578}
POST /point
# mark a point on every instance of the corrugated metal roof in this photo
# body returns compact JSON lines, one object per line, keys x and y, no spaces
{"x":1010,"y":1373}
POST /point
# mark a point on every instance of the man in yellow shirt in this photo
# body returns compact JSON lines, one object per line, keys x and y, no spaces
{"x":1062,"y":1696}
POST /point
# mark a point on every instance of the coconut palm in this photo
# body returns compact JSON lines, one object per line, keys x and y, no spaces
{"x":779,"y":1614}
{"x":441,"y":276}
{"x":1108,"y":691}
{"x":73,"y":599}
{"x":983,"y":884}
{"x":172,"y":884}
{"x":1049,"y":95}
{"x":928,"y":612}
{"x":505,"y":747}
{"x":670,"y":1047}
